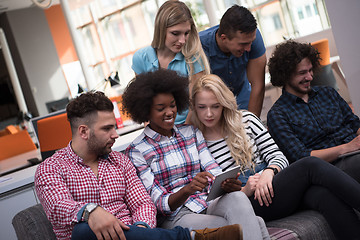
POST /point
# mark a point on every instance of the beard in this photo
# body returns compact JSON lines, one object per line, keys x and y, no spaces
{"x":298,"y":89}
{"x":97,"y":147}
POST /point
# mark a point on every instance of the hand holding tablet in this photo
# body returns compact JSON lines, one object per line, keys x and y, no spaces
{"x":216,"y":189}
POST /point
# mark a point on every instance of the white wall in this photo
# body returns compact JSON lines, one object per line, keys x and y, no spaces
{"x":327,"y":33}
{"x":345,"y":19}
{"x":38,"y":55}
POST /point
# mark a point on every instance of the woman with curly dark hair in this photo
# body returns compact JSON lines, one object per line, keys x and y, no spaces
{"x":138,"y":96}
{"x":174,"y":163}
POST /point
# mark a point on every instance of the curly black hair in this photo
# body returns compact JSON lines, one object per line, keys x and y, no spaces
{"x":85,"y":105}
{"x":286,"y":57}
{"x":138,"y":95}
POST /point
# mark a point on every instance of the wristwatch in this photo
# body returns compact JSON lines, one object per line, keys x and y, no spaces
{"x":88,"y":209}
{"x":274,"y":169}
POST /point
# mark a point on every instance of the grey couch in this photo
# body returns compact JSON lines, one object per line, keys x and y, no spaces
{"x":32,"y":224}
{"x":306,"y":224}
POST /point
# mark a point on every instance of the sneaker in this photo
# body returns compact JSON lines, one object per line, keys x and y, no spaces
{"x":230,"y":232}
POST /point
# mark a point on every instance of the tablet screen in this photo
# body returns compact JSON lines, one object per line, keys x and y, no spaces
{"x":216,"y":189}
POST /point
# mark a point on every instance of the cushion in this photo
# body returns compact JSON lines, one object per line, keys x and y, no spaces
{"x":281,"y":233}
{"x":306,"y":224}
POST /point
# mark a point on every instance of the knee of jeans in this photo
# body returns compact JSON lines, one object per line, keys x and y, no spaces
{"x":236,"y":194}
{"x":239,"y":198}
{"x":311,"y":162}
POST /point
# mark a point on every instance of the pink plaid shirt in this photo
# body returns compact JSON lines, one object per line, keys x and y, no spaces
{"x":167,"y":164}
{"x":64,"y":184}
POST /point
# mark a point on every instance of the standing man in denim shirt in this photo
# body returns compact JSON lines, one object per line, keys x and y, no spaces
{"x":236,"y":53}
{"x":310,"y":121}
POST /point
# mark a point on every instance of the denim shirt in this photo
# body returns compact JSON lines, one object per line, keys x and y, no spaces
{"x":231,"y":69}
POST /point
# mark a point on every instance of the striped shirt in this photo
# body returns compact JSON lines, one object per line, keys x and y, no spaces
{"x":166,"y":164}
{"x":263,"y":146}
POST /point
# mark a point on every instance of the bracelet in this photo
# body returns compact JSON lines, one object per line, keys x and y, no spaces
{"x":274,"y":169}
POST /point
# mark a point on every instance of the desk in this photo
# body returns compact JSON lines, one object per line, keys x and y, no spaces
{"x":25,"y":176}
{"x":17,"y":189}
{"x":335,"y":64}
{"x":124,"y":140}
{"x":18,"y":162}
{"x":16,"y":193}
{"x":129,"y":127}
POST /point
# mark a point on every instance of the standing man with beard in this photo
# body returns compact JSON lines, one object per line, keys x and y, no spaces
{"x":310,"y":121}
{"x":90,"y":192}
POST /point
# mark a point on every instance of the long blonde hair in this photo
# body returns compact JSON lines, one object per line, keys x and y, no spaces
{"x":174,"y":12}
{"x":232,"y":127}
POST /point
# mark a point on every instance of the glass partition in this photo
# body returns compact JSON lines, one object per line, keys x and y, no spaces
{"x":112,"y":30}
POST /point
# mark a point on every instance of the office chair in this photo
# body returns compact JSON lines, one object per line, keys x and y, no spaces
{"x":54,"y":133}
{"x":15,"y":144}
{"x":325,"y":76}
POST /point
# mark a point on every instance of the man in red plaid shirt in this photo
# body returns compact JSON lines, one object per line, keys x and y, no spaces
{"x":89,"y":191}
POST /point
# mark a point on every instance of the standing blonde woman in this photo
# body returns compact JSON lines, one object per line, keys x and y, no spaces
{"x":175,"y":46}
{"x":275,"y":189}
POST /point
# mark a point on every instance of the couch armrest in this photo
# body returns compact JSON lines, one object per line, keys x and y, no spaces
{"x":32,"y":223}
{"x":306,"y":224}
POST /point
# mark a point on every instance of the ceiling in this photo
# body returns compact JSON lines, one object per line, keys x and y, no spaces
{"x":9,"y":5}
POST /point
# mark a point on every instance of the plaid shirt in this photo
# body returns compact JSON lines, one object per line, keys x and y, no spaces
{"x":165,"y":165}
{"x":64,"y":184}
{"x":299,"y":127}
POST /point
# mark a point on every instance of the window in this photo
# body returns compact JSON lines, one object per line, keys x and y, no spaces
{"x":308,"y":11}
{"x":315,"y":9}
{"x":300,"y":13}
{"x":277,"y":21}
{"x":112,"y":30}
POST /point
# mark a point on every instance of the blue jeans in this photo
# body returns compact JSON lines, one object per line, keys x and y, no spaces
{"x":246,"y":174}
{"x":82,"y":231}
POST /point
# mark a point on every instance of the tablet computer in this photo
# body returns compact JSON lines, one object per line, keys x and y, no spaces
{"x":349,"y":153}
{"x":216,"y":190}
